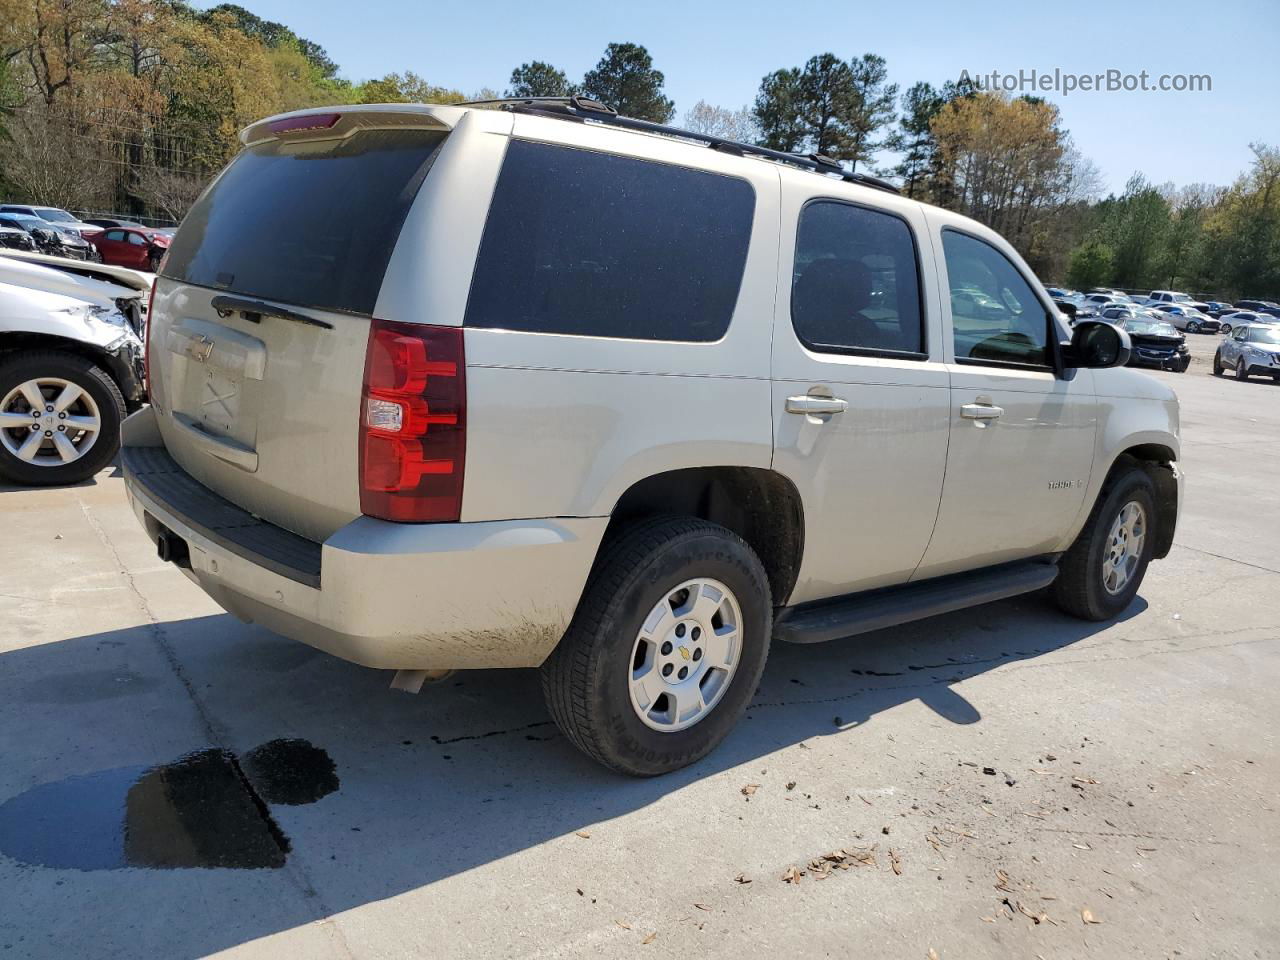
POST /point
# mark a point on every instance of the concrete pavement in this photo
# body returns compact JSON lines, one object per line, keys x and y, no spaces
{"x":1134,"y":770}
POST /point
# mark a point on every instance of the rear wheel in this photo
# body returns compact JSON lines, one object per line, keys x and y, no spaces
{"x":60,"y":418}
{"x":1193,"y":327}
{"x":1099,"y":576}
{"x":1226,"y":328}
{"x":666,"y":648}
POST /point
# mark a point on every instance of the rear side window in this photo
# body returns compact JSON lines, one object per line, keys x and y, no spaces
{"x":598,"y":245}
{"x":856,"y":287}
{"x":310,"y":223}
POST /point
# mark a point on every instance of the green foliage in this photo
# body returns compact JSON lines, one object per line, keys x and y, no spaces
{"x":539,"y":79}
{"x":626,"y":80}
{"x":1135,"y":225}
{"x":829,"y":107}
{"x":913,"y":139}
{"x":273,"y":34}
{"x":405,"y":87}
{"x":1091,"y":265}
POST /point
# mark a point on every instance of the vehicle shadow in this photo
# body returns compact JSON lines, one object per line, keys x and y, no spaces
{"x":469,"y":772}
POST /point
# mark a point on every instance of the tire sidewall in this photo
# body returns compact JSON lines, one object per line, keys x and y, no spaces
{"x":704,"y":554}
{"x":1137,"y":487}
{"x":89,"y":378}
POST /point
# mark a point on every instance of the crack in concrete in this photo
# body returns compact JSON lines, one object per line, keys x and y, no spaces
{"x":1219,"y":556}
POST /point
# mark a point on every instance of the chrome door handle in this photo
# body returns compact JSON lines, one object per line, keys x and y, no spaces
{"x":810,"y":404}
{"x":981,"y":411}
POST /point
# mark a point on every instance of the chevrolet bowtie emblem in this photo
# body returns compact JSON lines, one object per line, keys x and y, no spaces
{"x":684,"y":652}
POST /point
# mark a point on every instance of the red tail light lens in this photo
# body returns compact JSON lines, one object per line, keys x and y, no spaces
{"x":413,"y":423}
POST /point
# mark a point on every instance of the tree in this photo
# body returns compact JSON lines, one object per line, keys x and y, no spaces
{"x":405,"y":87}
{"x":777,"y":111}
{"x":1091,"y":265}
{"x":1001,"y":161}
{"x":913,"y":138}
{"x":739,"y":125}
{"x":539,"y":79}
{"x":828,"y":107}
{"x":626,"y":80}
{"x":871,"y":109}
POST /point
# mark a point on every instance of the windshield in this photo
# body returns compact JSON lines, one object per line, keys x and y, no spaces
{"x":1181,"y":298}
{"x":1264,"y":335}
{"x":1158,"y":328}
{"x":54,"y":214}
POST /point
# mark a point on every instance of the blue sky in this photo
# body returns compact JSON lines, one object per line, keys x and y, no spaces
{"x":719,"y":51}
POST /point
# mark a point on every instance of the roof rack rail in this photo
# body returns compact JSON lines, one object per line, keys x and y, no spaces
{"x":583,"y":109}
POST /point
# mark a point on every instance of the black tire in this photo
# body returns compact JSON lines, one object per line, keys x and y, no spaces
{"x":153,"y":260}
{"x":1225,"y":328}
{"x":586,"y":679}
{"x":1217,"y":363}
{"x":1193,"y":326}
{"x":1182,"y":365}
{"x":1242,"y":369}
{"x":21,"y":367}
{"x":1079,"y":589}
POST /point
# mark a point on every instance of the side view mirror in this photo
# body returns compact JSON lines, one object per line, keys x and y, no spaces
{"x":1097,"y":344}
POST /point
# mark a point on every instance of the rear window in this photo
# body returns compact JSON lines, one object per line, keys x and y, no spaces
{"x":310,"y":223}
{"x":592,"y":244}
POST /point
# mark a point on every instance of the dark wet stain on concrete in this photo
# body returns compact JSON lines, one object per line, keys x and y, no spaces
{"x":202,"y":810}
{"x":290,"y":772}
{"x":88,"y":686}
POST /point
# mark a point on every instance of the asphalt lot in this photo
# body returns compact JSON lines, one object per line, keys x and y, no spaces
{"x":1135,"y":770}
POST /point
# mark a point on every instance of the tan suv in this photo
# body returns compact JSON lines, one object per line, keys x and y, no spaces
{"x":529,"y":384}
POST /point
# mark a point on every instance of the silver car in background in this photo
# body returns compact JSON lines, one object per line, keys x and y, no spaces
{"x":1187,"y":318}
{"x":1251,"y":350}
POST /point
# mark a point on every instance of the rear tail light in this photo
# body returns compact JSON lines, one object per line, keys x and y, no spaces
{"x":413,"y":423}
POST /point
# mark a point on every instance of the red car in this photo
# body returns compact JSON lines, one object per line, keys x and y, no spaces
{"x":135,"y":247}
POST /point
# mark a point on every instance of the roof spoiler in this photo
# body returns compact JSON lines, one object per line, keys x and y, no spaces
{"x":340,"y":122}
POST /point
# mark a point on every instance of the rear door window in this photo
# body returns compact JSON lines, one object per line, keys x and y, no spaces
{"x":593,"y":244}
{"x":311,"y":223}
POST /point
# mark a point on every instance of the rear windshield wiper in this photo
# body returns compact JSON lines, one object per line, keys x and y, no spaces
{"x":255,"y":310}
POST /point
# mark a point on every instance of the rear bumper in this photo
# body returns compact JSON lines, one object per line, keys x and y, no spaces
{"x":386,"y":595}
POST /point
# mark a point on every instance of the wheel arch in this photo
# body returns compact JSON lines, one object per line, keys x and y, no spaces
{"x":126,"y":382}
{"x":758,"y":504}
{"x":1157,"y":461}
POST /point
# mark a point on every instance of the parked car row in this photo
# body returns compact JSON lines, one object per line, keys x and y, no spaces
{"x":57,"y":232}
{"x":1179,"y":309}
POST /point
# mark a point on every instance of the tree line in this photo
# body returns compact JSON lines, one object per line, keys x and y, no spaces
{"x":130,"y":106}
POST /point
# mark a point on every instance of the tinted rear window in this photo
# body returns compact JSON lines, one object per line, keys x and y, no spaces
{"x":306,"y":223}
{"x":599,"y":245}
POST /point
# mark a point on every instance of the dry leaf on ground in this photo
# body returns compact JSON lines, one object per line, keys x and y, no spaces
{"x":584,"y":835}
{"x":742,"y":878}
{"x":895,"y":861}
{"x":792,"y":875}
{"x":750,"y":789}
{"x":702,"y":906}
{"x":650,"y":938}
{"x":1087,"y":916}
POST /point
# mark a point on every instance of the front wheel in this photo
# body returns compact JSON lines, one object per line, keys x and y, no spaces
{"x":666,"y":648}
{"x":1217,"y":364}
{"x":1100,"y":574}
{"x":60,"y":418}
{"x":1242,"y":369}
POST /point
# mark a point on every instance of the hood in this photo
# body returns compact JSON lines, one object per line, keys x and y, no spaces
{"x":1128,"y":382}
{"x":101,"y":290}
{"x":25,"y":310}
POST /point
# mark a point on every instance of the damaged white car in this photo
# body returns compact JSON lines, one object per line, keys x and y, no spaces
{"x":71,"y":365}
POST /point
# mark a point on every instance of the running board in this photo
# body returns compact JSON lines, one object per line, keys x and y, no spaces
{"x":863,"y":612}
